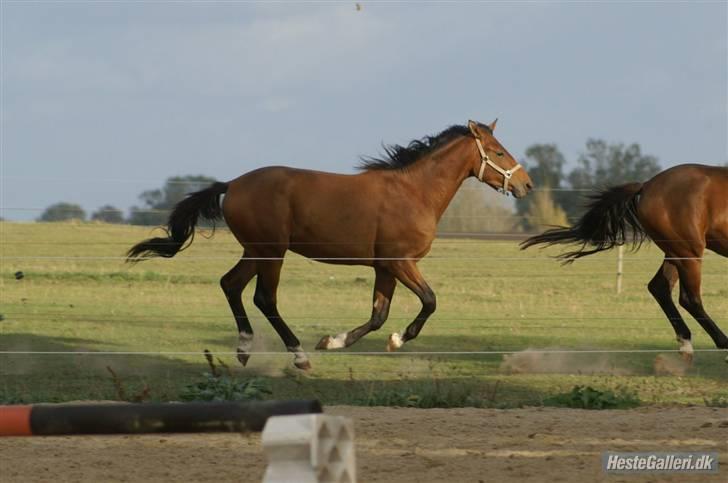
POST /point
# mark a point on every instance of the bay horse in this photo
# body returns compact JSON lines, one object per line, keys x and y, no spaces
{"x":683,"y":210}
{"x":384,"y":217}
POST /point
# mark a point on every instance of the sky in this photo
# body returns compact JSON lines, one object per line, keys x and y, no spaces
{"x":103,"y":100}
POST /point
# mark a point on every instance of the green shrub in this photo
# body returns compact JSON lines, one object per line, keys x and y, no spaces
{"x":225,"y":388}
{"x":217,"y":386}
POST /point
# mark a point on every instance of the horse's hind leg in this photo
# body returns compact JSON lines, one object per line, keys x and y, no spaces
{"x":233,"y":283}
{"x":689,"y":270}
{"x":384,"y":285}
{"x":661,"y":287}
{"x":408,"y":273}
{"x":266,"y":299}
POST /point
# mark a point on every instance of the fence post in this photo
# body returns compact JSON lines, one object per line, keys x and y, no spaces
{"x":620,"y":259}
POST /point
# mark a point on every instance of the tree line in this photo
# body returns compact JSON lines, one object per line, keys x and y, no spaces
{"x":559,"y":199}
{"x":154,"y":210}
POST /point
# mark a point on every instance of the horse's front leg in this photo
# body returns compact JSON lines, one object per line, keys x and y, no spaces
{"x":384,"y":285}
{"x":406,"y":271}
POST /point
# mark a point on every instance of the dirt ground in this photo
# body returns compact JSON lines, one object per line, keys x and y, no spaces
{"x":397,"y":445}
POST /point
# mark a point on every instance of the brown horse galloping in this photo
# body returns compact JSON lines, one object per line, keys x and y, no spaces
{"x":684,"y":210}
{"x":385,"y":217}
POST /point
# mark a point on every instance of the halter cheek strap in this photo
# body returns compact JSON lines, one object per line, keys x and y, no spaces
{"x":485,"y":161}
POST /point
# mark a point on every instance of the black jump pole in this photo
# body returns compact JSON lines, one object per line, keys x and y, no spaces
{"x":125,"y":418}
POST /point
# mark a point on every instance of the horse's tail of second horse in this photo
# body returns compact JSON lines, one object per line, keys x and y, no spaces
{"x":611,"y":219}
{"x":181,"y":224}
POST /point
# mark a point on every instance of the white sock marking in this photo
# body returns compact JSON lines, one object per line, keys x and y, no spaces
{"x":337,"y":342}
{"x":245,"y":342}
{"x":299,"y":356}
{"x":395,"y":342}
{"x":686,"y":347}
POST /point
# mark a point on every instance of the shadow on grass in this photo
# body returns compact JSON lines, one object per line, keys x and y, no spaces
{"x":709,"y":365}
{"x":81,"y":374}
{"x":405,"y":379}
{"x":33,"y":378}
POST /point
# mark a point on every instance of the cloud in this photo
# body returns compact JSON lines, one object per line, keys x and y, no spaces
{"x":239,"y":56}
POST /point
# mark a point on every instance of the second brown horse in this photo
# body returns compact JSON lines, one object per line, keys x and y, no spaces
{"x":385,"y":217}
{"x":684,"y":211}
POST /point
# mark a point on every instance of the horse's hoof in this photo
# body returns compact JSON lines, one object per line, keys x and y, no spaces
{"x":243,"y":357}
{"x":324,"y":343}
{"x":303,"y":365}
{"x":394,"y":342}
{"x":687,"y":357}
{"x":686,"y":350}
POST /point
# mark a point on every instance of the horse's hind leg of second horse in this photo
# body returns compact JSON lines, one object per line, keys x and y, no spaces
{"x":384,"y":285}
{"x":661,"y":287}
{"x":266,"y":299}
{"x":690,"y":277}
{"x":233,"y":283}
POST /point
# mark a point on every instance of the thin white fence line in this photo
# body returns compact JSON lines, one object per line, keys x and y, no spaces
{"x":207,"y":183}
{"x":442,"y":237}
{"x":324,"y":327}
{"x":445,"y":217}
{"x":187,"y":278}
{"x":113,"y":317}
{"x":322,"y":277}
{"x":457,"y":329}
{"x":169,"y":210}
{"x":324,"y":259}
{"x":365,"y":353}
{"x":448,"y":240}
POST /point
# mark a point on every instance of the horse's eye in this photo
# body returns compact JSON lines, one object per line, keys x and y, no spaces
{"x":499,"y":153}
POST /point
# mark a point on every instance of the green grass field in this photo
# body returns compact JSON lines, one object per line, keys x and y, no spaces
{"x":491,"y":297}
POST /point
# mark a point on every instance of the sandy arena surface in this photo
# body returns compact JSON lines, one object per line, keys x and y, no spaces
{"x":397,"y":445}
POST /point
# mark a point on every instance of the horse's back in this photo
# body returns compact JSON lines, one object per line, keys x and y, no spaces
{"x":289,"y":205}
{"x":686,"y":202}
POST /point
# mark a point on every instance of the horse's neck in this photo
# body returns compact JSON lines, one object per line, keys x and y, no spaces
{"x":439,"y":176}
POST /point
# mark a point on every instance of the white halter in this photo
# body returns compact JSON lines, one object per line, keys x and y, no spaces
{"x":485,"y":160}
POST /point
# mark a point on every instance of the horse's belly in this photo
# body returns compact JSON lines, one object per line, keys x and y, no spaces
{"x":335,"y":237}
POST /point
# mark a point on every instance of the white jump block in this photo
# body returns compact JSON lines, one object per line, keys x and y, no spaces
{"x":309,"y":448}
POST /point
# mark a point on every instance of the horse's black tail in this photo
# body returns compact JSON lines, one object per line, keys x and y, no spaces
{"x":181,"y":224}
{"x":611,"y":220}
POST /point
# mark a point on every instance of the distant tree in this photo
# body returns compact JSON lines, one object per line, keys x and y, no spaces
{"x":601,"y":165}
{"x":159,"y":202}
{"x":604,"y":165}
{"x":63,"y":211}
{"x":545,"y":165}
{"x":543,"y":212}
{"x":108,"y":214}
{"x":477,"y":209}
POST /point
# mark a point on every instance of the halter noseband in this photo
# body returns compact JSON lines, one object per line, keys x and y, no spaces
{"x":485,"y":160}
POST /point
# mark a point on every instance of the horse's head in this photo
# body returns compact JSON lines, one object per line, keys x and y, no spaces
{"x":494,"y":165}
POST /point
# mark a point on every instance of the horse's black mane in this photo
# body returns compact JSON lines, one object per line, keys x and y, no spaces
{"x":399,"y":157}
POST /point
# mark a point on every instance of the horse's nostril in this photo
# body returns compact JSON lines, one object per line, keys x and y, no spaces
{"x":529,"y":186}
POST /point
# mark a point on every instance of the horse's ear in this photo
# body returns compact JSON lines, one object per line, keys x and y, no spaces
{"x":473,"y":126}
{"x":491,"y":126}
